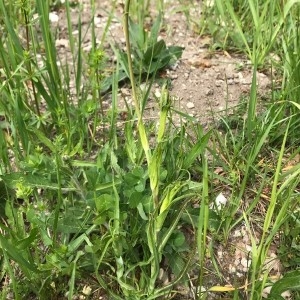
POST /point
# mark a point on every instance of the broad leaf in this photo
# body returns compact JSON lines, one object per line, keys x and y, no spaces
{"x":290,"y":281}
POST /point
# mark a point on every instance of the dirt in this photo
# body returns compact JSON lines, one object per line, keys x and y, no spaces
{"x":203,"y":83}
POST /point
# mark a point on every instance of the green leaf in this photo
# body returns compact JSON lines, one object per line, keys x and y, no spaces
{"x":195,"y":152}
{"x":47,"y":142}
{"x":33,"y":217}
{"x":104,"y":203}
{"x":35,"y":181}
{"x":154,"y":52}
{"x":179,"y":239}
{"x":155,"y":30}
{"x":176,"y":263}
{"x":130,"y":143}
{"x":140,"y":187}
{"x":142,"y":212}
{"x":135,"y":199}
{"x":137,"y":37}
{"x":16,"y":255}
{"x":26,"y":242}
{"x":290,"y":281}
{"x":175,"y":51}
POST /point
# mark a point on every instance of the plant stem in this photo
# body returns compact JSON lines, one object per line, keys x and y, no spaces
{"x":141,"y":127}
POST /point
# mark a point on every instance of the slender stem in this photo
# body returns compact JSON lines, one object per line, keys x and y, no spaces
{"x":130,"y":66}
{"x":140,"y":125}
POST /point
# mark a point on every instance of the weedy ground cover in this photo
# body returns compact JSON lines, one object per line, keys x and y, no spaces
{"x":112,"y":205}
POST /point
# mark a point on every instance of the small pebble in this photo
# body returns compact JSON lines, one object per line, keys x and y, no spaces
{"x":190,"y":105}
{"x":157,"y":93}
{"x":209,"y":92}
{"x":219,"y":83}
{"x":97,"y":21}
{"x":245,"y":262}
{"x":53,"y":17}
{"x":62,"y":43}
{"x":87,"y":290}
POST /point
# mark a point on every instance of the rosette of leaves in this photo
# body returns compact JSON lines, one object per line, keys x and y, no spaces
{"x":150,"y":54}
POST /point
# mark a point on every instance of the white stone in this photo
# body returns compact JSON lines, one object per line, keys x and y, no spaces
{"x":245,"y":262}
{"x":62,"y":43}
{"x":87,"y":290}
{"x":221,"y":201}
{"x":157,"y":93}
{"x":231,"y":269}
{"x":190,"y":105}
{"x":219,"y":82}
{"x":53,"y":17}
{"x":209,"y":92}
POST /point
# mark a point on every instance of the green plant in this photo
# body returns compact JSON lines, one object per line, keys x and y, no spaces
{"x":150,"y":55}
{"x":118,"y":215}
{"x":289,"y":282}
{"x":89,"y":196}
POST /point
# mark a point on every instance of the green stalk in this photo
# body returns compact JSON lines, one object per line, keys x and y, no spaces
{"x":59,"y":196}
{"x":203,"y":225}
{"x":141,"y":127}
{"x":259,"y":254}
{"x":25,"y":9}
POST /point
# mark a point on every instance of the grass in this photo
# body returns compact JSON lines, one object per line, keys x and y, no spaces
{"x":98,"y":201}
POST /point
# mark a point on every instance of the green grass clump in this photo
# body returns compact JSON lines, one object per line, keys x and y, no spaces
{"x":96,"y":201}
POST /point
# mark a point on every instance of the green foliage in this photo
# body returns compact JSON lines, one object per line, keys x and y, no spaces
{"x":85,"y":200}
{"x":150,"y":55}
{"x":289,"y":282}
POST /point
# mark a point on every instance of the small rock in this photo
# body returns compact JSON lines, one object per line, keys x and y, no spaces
{"x":97,"y":21}
{"x":173,"y":76}
{"x":186,"y":75}
{"x":87,"y":290}
{"x":248,"y":248}
{"x":246,"y":80}
{"x":143,"y":87}
{"x":64,"y":43}
{"x":220,"y":76}
{"x":87,"y":48}
{"x":237,"y":233}
{"x":219,"y":83}
{"x":230,"y":75}
{"x":231,"y":269}
{"x":190,"y":105}
{"x":53,"y":17}
{"x":209,"y":92}
{"x":220,"y":254}
{"x":245,"y":262}
{"x":174,"y":66}
{"x":200,"y":62}
{"x":220,"y":201}
{"x":157,"y":93}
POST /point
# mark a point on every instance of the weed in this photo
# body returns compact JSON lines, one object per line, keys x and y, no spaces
{"x":129,"y":208}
